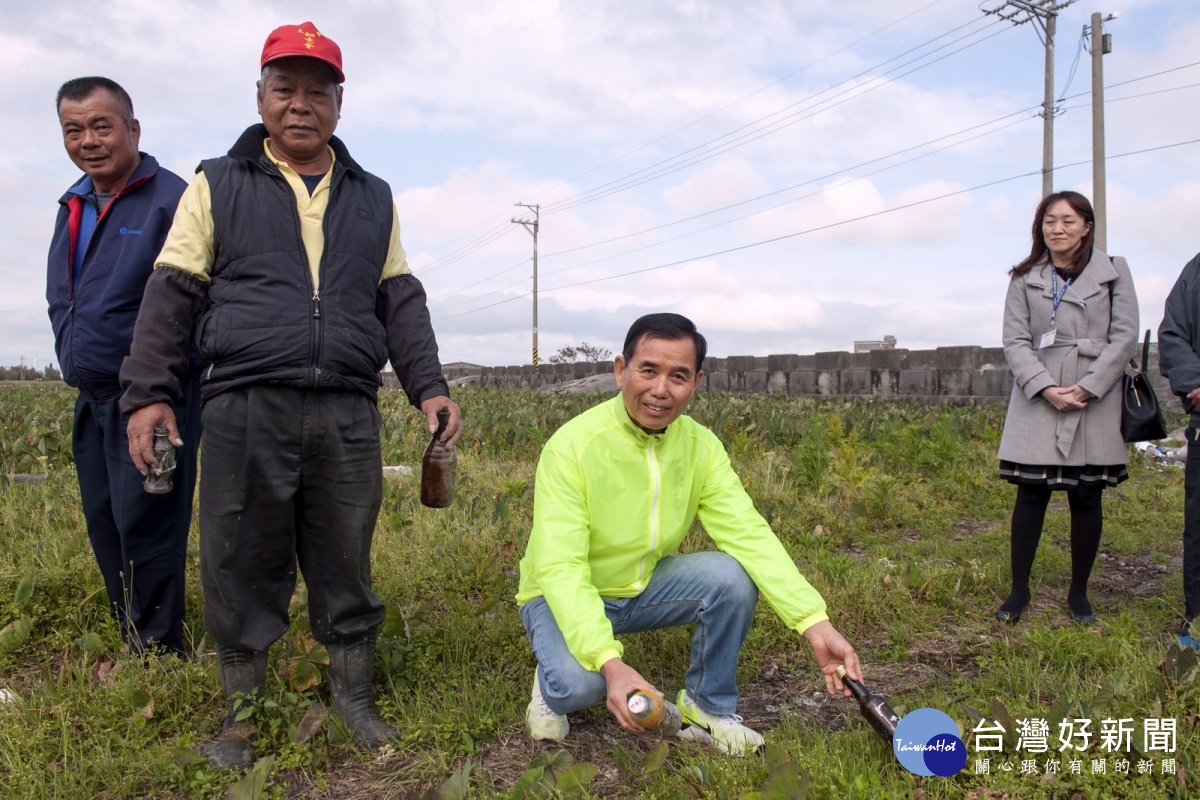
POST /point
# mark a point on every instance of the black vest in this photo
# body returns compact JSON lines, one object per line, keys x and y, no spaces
{"x":265,"y":323}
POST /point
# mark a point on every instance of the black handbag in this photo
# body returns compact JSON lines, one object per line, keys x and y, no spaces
{"x":1141,"y":417}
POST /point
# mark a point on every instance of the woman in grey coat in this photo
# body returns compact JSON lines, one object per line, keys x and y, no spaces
{"x":1070,"y":326}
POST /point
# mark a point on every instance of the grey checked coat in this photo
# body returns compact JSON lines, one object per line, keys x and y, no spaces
{"x":1097,"y":324}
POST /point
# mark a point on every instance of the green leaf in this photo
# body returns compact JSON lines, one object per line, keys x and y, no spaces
{"x":529,"y":784}
{"x":556,"y":763}
{"x":25,"y":589}
{"x":973,"y":713}
{"x":1059,"y":712}
{"x":314,"y":718}
{"x":655,"y":758}
{"x":73,"y":548}
{"x":577,"y":779}
{"x":90,"y":642}
{"x":138,"y":698}
{"x":299,"y":602}
{"x":786,"y":783}
{"x":1178,"y":665}
{"x":774,"y":757}
{"x":394,"y":624}
{"x":318,"y":653}
{"x":303,"y":674}
{"x":457,"y":785}
{"x":15,"y":633}
{"x":1104,"y":697}
{"x":252,"y":786}
{"x":1000,"y":714}
{"x":186,"y":756}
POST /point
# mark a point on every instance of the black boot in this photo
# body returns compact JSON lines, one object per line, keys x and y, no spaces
{"x":242,"y":673}
{"x":351,"y":672}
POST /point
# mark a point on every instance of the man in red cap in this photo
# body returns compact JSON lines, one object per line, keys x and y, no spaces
{"x":285,"y":260}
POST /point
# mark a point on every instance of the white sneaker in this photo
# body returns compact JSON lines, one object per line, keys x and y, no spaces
{"x":542,"y":722}
{"x":724,"y":731}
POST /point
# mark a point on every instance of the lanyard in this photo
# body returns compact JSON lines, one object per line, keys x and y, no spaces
{"x":1055,"y":297}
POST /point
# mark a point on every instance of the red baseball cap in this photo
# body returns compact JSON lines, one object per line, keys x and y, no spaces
{"x":303,"y":40}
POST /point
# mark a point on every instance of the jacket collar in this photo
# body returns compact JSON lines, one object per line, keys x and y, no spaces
{"x":250,"y":146}
{"x":621,"y":415}
{"x":1098,"y":272}
{"x":144,"y":171}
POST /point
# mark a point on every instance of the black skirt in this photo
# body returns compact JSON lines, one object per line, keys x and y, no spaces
{"x":1101,"y":475}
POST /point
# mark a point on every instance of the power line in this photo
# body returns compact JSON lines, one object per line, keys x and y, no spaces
{"x":830,"y":175}
{"x":474,"y":246}
{"x":740,"y":100}
{"x":819,"y":228}
{"x":806,"y":182}
{"x":803,"y":183}
{"x":475,"y":299}
{"x":873,"y":214}
{"x":745,"y":202}
{"x":752,"y":94}
{"x":723,"y":144}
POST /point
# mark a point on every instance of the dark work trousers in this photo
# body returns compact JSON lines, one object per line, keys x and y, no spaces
{"x":140,"y":539}
{"x":1191,"y":526}
{"x":288,"y":476}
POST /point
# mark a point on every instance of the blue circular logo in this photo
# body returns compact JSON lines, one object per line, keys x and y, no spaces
{"x":929,"y":742}
{"x":124,"y":231}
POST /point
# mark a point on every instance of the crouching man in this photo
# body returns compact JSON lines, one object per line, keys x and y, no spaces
{"x":617,"y":489}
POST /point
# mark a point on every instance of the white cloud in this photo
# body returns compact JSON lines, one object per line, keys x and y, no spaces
{"x":467,"y":108}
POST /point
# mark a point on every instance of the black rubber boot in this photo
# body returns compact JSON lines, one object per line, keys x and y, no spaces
{"x":351,"y":672}
{"x":242,"y":673}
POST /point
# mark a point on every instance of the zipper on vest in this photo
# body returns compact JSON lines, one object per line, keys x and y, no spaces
{"x":316,"y":315}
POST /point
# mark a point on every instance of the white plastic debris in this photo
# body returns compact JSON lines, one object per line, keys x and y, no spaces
{"x":397,"y":472}
{"x":1172,"y":456}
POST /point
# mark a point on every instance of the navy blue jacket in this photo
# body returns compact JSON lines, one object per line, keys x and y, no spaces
{"x":93,"y":319}
{"x":1179,"y":337}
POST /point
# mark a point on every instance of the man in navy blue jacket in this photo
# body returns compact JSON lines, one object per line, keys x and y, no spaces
{"x":111,"y":225}
{"x":1179,"y":361}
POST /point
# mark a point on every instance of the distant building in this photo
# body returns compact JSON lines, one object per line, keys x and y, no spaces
{"x":886,"y":343}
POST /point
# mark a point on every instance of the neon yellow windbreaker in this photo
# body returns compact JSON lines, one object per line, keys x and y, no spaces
{"x":611,"y":500}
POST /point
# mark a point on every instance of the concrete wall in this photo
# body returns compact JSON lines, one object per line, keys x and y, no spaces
{"x":949,"y":375}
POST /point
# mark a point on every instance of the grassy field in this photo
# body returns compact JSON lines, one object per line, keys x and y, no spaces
{"x":892,"y":511}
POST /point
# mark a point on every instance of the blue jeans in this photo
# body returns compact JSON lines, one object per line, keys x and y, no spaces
{"x":710,"y":589}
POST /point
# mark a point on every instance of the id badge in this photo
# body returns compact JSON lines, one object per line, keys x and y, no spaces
{"x":1047,"y":338}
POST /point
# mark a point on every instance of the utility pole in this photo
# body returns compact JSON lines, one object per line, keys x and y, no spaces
{"x":532,"y":227}
{"x":1045,"y":14}
{"x":1101,"y":44}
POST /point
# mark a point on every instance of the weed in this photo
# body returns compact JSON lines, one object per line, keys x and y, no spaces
{"x":892,"y":511}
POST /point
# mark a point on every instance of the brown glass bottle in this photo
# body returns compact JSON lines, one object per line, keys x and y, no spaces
{"x":874,"y":708}
{"x":159,"y":479}
{"x":438,"y":468}
{"x":655,"y":714}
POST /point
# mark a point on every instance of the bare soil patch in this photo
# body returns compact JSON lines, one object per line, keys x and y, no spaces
{"x":1129,"y":575}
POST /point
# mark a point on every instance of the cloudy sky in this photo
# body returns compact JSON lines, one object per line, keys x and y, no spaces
{"x":793,"y":176}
